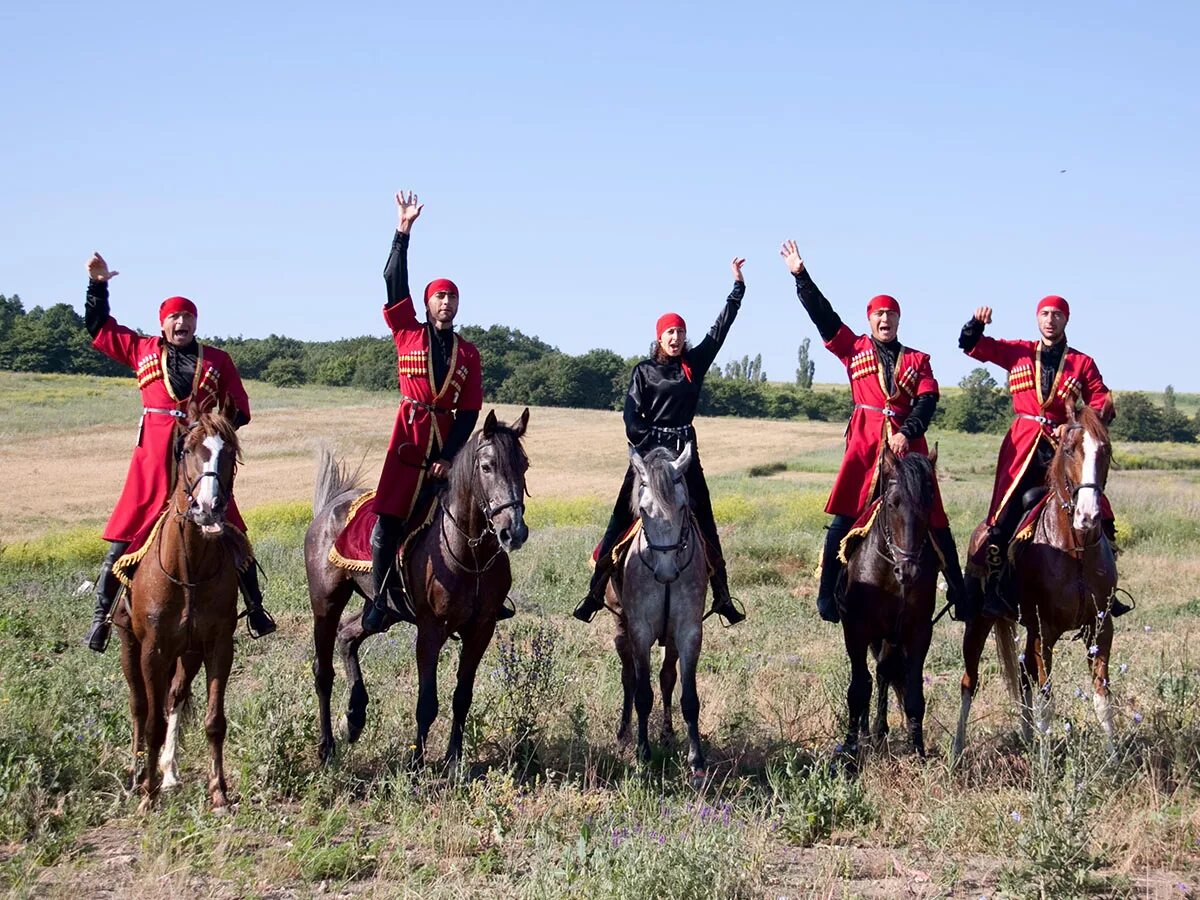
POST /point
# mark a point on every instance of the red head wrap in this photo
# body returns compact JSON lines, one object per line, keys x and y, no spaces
{"x":1055,"y":302}
{"x":672,"y":320}
{"x":440,"y":284}
{"x":883,"y":301}
{"x":173,"y":305}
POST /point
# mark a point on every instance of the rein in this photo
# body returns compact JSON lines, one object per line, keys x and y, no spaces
{"x":489,"y":514}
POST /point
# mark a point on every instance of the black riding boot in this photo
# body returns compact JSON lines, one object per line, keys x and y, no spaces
{"x":106,"y":592}
{"x":999,"y":601}
{"x":956,"y":590}
{"x":593,"y":601}
{"x":389,"y":531}
{"x":722,"y":602}
{"x":832,"y":568}
{"x":258,"y":621}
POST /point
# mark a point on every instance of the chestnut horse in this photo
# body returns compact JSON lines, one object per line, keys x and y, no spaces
{"x":661,"y":598}
{"x":1065,"y":579}
{"x":891,"y":587}
{"x":456,"y":571}
{"x":183,"y":608}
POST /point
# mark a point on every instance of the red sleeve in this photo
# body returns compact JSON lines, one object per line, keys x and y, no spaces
{"x":231,"y":387}
{"x":926,"y":383}
{"x":1005,"y":354}
{"x":401,"y":316}
{"x":1095,"y":392}
{"x":118,"y":342}
{"x":842,"y":344}
{"x":472,"y":395}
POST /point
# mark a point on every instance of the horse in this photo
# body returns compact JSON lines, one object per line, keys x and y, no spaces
{"x":1065,"y":579}
{"x":891,"y":588}
{"x":663,"y":582}
{"x":182,"y":609}
{"x":456,"y":570}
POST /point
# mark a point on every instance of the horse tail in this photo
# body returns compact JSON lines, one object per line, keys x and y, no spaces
{"x":1006,"y":647}
{"x":334,"y":478}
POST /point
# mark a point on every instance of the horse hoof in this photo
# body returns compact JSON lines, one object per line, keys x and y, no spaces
{"x":222,"y":808}
{"x":170,"y":782}
{"x":699,"y":778}
{"x":145,"y":806}
{"x":352,"y":728}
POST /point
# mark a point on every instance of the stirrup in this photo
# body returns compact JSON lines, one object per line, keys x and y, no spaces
{"x":587,"y":609}
{"x":731,"y":612}
{"x":99,"y":634}
{"x":265,"y":625}
{"x":508,"y":609}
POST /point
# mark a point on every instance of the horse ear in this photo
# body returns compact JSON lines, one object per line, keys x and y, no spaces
{"x":1072,"y":414}
{"x":683,"y":460}
{"x":489,"y":424}
{"x":193,"y":411}
{"x":635,"y":460}
{"x":888,"y":460}
{"x":522,"y":423}
{"x":933,"y":454}
{"x":229,"y":409}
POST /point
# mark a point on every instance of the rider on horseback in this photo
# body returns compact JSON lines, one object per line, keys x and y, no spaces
{"x":895,"y":395}
{"x":663,"y":393}
{"x":441,"y":393}
{"x":171,"y":369}
{"x":1044,"y":378}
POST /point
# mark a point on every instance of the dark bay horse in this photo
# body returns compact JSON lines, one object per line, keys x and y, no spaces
{"x":183,"y":608}
{"x":891,"y":587}
{"x":457,"y":573}
{"x":1065,"y":579}
{"x":661,"y":597}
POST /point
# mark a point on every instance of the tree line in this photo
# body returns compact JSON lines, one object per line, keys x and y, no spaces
{"x":523,"y":369}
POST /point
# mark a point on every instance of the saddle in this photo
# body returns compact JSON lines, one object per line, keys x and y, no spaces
{"x":235,"y":541}
{"x":351,"y":549}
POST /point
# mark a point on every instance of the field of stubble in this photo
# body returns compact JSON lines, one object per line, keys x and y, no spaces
{"x":551,"y":805}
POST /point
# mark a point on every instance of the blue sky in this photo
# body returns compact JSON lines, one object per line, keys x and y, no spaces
{"x":586,"y":168}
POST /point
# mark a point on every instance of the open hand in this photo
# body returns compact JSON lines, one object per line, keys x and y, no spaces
{"x":408,"y":209}
{"x":737,"y":264}
{"x":439,"y":469}
{"x":98,"y":269}
{"x":791,"y":256}
{"x":984,"y":315}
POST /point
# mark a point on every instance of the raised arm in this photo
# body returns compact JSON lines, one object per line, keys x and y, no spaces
{"x":701,"y":357}
{"x":977,"y":345}
{"x":818,"y":308}
{"x":395,"y":273}
{"x":113,"y":340}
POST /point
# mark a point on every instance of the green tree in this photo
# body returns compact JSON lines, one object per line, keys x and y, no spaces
{"x":284,"y":372}
{"x":1138,"y":419}
{"x":806,"y":368}
{"x":980,"y":406}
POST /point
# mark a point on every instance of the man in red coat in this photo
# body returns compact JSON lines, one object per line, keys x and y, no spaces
{"x":895,"y":396}
{"x":441,"y":393}
{"x":171,"y":368}
{"x":1045,"y":378}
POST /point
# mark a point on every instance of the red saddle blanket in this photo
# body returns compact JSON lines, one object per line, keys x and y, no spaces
{"x":351,"y":549}
{"x":233,"y":538}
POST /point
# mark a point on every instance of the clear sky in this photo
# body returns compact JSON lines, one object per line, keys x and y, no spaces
{"x":585,"y":168}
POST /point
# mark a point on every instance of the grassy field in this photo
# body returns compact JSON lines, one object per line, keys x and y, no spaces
{"x":552,"y":805}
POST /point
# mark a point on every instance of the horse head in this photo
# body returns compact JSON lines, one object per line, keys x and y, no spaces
{"x":206,"y":465}
{"x":497,"y":479}
{"x":1079,"y":471}
{"x":660,"y":498}
{"x":907,"y":500}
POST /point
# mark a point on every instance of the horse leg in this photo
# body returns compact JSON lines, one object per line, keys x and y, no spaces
{"x":132,"y":667}
{"x":350,"y":636}
{"x":1100,"y":696}
{"x":689,"y":699}
{"x":1043,"y":704}
{"x":668,"y":675}
{"x":327,"y":611}
{"x":974,"y":640}
{"x":913,"y":672}
{"x":621,"y":643}
{"x":156,"y":674}
{"x":474,"y":642}
{"x":217,"y":664}
{"x":1029,"y":669}
{"x":858,"y":694}
{"x":429,"y":644}
{"x":884,"y":654}
{"x":643,"y":694}
{"x":177,"y":700}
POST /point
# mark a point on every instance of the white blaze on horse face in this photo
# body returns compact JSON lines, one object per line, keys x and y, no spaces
{"x":207,"y":495}
{"x":1087,"y":503}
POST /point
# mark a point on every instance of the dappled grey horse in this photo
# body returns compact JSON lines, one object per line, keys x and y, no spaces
{"x":661,"y":598}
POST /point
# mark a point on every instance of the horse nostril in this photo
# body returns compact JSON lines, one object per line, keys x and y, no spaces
{"x":505,"y":536}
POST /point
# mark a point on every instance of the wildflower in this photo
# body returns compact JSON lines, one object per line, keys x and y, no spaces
{"x":1137,"y":718}
{"x":1146,"y":628}
{"x":1066,"y":726}
{"x":1078,"y":693}
{"x":1101,"y":614}
{"x":1093,"y":650}
{"x":1124,"y":668}
{"x":1021,"y":658}
{"x":1015,"y":816}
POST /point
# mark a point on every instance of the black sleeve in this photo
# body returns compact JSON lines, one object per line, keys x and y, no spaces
{"x":636,"y":427}
{"x":918,"y":420}
{"x":460,"y":432}
{"x":971,"y":333}
{"x":818,"y":308}
{"x":701,"y":356}
{"x":395,"y":273}
{"x":239,"y":419}
{"x":95,"y":308}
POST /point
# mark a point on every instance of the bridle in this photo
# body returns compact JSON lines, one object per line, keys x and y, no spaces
{"x":897,"y":555}
{"x":683,"y":543}
{"x":1071,"y":499}
{"x":489,"y":515}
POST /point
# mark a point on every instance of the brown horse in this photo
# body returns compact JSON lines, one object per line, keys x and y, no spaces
{"x":183,"y":608}
{"x":661,"y":598}
{"x":1065,"y":580}
{"x":891,"y":587}
{"x":457,"y":573}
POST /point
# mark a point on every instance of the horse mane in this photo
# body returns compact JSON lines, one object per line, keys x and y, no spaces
{"x":660,"y":479}
{"x":213,"y":422}
{"x":459,"y":481}
{"x":914,"y":477}
{"x":1092,"y":423}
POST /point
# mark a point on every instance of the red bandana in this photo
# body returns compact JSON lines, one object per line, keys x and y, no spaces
{"x":173,"y":305}
{"x":440,"y":284}
{"x":883,"y":301}
{"x":673,"y":320}
{"x":1055,"y":302}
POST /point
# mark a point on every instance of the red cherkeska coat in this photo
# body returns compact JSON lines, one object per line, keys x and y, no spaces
{"x":870,"y":427}
{"x":148,"y":483}
{"x":426,"y":410}
{"x":1077,"y":377}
